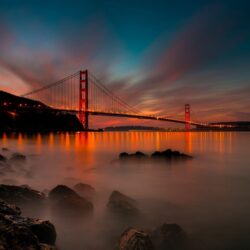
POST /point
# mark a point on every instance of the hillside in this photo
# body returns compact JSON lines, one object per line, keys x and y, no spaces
{"x":14,"y":118}
{"x":13,"y":100}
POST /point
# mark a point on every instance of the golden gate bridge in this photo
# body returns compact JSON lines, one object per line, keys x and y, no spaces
{"x":83,"y":94}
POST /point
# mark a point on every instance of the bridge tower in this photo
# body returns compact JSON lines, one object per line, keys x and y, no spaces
{"x":187,"y":117}
{"x":84,"y":99}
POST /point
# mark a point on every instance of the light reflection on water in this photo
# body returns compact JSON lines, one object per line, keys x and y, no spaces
{"x":208,"y":196}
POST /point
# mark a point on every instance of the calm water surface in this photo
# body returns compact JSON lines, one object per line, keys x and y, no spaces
{"x":209,"y":196}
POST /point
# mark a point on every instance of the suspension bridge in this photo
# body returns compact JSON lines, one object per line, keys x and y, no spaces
{"x":83,"y":94}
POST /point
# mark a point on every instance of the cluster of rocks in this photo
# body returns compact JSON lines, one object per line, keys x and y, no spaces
{"x":13,"y":163}
{"x":164,"y":237}
{"x":14,"y":157}
{"x":157,"y":155}
{"x":17,"y":232}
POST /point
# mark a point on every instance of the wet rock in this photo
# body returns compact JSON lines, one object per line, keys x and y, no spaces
{"x":169,"y":236}
{"x":44,"y":230}
{"x":165,"y":155}
{"x":122,"y":204}
{"x":60,"y":192}
{"x":18,"y":233}
{"x":66,"y":202}
{"x":133,"y":239}
{"x":16,"y":237}
{"x":72,"y":206}
{"x":85,"y":190}
{"x":136,"y":156}
{"x":2,"y":158}
{"x":123,"y":155}
{"x":20,"y":195}
{"x":169,"y":154}
{"x":9,"y":209}
{"x":18,"y":157}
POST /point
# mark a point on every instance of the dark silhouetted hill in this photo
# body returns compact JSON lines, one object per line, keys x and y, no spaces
{"x":22,"y":114}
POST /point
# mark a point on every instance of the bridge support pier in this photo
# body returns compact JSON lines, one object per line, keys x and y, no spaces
{"x":187,"y":117}
{"x":83,"y":99}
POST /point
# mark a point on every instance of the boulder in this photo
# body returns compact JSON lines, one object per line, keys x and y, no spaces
{"x":72,"y":206}
{"x":16,"y":237}
{"x":123,"y":155}
{"x":20,"y":195}
{"x":60,"y":191}
{"x":85,"y":190}
{"x":122,"y":204}
{"x":133,"y":239}
{"x":18,"y":233}
{"x":44,"y":230}
{"x":18,"y":157}
{"x":160,"y":155}
{"x":169,"y":236}
{"x":66,"y":202}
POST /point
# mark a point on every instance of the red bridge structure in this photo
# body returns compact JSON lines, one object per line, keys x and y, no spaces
{"x":82,"y":94}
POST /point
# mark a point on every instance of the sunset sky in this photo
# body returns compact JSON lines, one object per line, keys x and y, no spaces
{"x":156,"y":55}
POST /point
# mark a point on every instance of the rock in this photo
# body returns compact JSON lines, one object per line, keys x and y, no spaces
{"x":20,"y":195}
{"x":60,"y":191}
{"x":140,"y":154}
{"x":2,"y":158}
{"x":5,"y":149}
{"x":122,"y":204}
{"x":168,"y":236}
{"x":169,"y":154}
{"x":9,"y":209}
{"x":166,"y":155}
{"x":19,"y":233}
{"x":133,"y":239}
{"x":136,"y":156}
{"x":16,"y":237}
{"x":84,"y":190}
{"x":44,"y":230}
{"x":18,"y":157}
{"x":66,"y":202}
{"x":72,"y":206}
{"x":123,"y":155}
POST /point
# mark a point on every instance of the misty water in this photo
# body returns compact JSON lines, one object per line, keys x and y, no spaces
{"x":208,"y":196}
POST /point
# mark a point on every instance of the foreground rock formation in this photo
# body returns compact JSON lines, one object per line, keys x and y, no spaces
{"x":122,"y":205}
{"x":20,"y":194}
{"x":85,"y":190}
{"x":20,"y":233}
{"x":66,"y":202}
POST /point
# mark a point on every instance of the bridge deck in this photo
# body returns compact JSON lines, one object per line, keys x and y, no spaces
{"x":99,"y":113}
